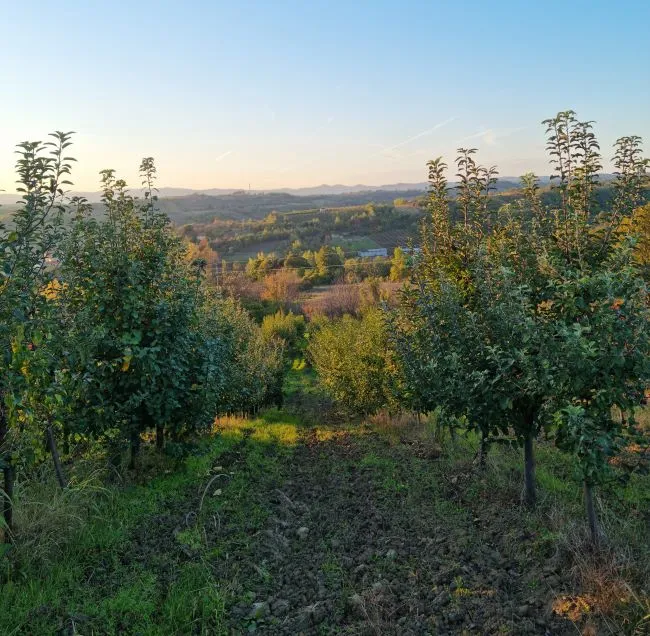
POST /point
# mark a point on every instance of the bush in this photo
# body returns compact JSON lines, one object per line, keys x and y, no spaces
{"x":354,"y":362}
{"x":288,"y":328}
{"x":335,"y":302}
{"x":282,"y":286}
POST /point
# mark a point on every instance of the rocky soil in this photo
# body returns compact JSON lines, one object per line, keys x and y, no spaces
{"x":363,"y":538}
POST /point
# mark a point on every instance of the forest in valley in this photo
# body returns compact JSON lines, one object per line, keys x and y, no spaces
{"x":241,"y":425}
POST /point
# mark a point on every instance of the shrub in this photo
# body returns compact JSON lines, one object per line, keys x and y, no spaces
{"x":335,"y":302}
{"x":354,"y":362}
{"x":282,"y":286}
{"x":288,"y":328}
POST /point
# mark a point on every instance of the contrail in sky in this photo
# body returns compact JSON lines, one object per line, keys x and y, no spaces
{"x":224,"y":155}
{"x":474,"y":136}
{"x":420,"y":134}
{"x":490,"y":135}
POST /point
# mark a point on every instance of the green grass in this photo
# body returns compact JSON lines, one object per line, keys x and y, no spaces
{"x":102,"y":581}
{"x":193,"y":600}
{"x":300,"y":379}
{"x":278,"y":247}
{"x":385,"y":472}
{"x":353,"y":244}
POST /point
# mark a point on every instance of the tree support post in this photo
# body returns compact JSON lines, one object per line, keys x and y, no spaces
{"x":592,"y":515}
{"x":529,"y":470}
{"x":8,"y":477}
{"x":58,"y":468}
{"x":160,"y":437}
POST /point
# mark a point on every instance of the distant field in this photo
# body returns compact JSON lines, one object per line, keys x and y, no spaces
{"x":350,"y":243}
{"x":394,"y":238}
{"x":303,"y":214}
{"x":642,"y":415}
{"x":251,"y":251}
{"x":353,"y":243}
{"x":320,"y":290}
{"x":6,"y":212}
{"x":201,"y":208}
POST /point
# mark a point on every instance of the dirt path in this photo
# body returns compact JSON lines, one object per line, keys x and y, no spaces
{"x":366,"y":538}
{"x":271,"y":527}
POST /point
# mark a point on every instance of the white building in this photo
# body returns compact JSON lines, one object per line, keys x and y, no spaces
{"x":378,"y":251}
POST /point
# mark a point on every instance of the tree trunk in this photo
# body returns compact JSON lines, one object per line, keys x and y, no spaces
{"x":114,"y":452}
{"x":482,"y":451}
{"x":58,"y":469}
{"x":8,"y":507}
{"x":8,"y":474}
{"x":592,"y":515}
{"x":160,"y":437}
{"x":66,"y":441}
{"x":529,"y":470}
{"x":135,"y":450}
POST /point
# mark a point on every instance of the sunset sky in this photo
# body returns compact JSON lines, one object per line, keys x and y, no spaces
{"x":273,"y":94}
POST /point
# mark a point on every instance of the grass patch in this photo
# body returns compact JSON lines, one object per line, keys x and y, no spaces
{"x":141,"y":558}
{"x":194,"y":603}
{"x":352,"y":244}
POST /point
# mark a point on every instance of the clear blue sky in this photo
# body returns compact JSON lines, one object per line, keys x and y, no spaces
{"x":276,"y":93}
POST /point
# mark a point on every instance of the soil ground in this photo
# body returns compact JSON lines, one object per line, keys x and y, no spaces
{"x":361,"y":540}
{"x":276,"y":527}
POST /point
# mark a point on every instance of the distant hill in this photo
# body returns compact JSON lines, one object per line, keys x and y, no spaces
{"x":203,"y":207}
{"x":185,"y":205}
{"x":95,"y":197}
{"x":504,"y":183}
{"x":238,"y":227}
{"x":199,"y":207}
{"x":163,"y":193}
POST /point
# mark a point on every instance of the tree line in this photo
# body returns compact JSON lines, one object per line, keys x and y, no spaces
{"x":308,"y":228}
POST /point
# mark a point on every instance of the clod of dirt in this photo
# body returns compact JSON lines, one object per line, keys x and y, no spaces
{"x":379,"y":587}
{"x":259,"y":610}
{"x":455,"y":616}
{"x":355,"y":605}
{"x":280,"y":607}
{"x":444,"y":598}
{"x":312,"y":615}
{"x":302,"y":532}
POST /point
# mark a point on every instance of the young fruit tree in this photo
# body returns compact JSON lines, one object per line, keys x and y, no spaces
{"x":30,"y":337}
{"x":131,"y":296}
{"x":354,"y":362}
